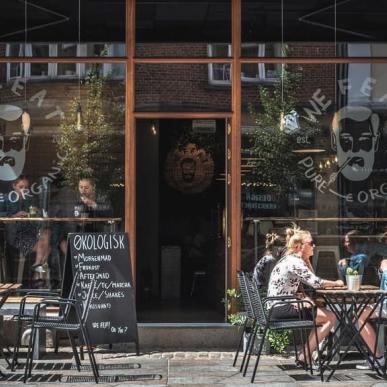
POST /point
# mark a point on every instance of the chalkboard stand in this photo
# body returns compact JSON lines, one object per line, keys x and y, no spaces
{"x":104,"y":257}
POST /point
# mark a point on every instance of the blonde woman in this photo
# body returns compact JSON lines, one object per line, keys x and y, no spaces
{"x":289,"y":233}
{"x":286,"y":277}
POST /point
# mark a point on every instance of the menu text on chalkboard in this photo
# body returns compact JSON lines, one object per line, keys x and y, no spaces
{"x":105,"y":258}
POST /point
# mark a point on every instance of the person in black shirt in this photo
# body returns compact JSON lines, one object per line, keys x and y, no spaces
{"x":92,"y":204}
{"x":86,"y":203}
{"x":26,"y":237}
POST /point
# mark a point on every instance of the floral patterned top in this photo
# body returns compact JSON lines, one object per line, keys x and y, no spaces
{"x":287,"y":275}
{"x":263,"y":269}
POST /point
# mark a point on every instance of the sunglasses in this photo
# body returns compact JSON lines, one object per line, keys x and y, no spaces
{"x":311,"y":243}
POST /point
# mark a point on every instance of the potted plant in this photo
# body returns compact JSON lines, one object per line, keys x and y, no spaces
{"x":353,"y":279}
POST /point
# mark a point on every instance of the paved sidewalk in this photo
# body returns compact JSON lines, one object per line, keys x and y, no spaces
{"x":178,"y":369}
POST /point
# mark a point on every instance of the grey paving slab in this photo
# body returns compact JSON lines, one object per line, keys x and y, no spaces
{"x":191,"y":369}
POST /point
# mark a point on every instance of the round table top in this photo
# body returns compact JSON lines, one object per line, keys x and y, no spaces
{"x":343,"y":290}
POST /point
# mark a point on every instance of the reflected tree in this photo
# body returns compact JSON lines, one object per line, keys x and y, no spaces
{"x":92,"y":149}
{"x":278,"y":126}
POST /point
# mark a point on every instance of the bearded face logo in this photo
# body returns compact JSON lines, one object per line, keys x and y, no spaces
{"x":12,"y":147}
{"x":355,"y":137}
{"x":189,"y":169}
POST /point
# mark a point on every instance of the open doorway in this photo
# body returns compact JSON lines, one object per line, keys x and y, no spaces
{"x":180,"y":220}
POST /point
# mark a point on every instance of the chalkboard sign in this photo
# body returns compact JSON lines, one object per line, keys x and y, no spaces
{"x":104,"y":257}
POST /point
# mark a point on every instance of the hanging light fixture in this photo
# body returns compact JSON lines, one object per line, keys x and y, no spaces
{"x":79,"y":126}
{"x":282,"y":120}
{"x":153,"y":129}
{"x":26,"y":119}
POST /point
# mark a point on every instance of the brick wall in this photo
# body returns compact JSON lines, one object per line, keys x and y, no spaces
{"x":186,"y":86}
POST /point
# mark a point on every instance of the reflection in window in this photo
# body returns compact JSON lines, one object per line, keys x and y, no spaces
{"x":69,"y":69}
{"x":36,"y":50}
{"x":219,"y":74}
{"x":64,"y":70}
{"x":15,"y":70}
{"x":55,"y":156}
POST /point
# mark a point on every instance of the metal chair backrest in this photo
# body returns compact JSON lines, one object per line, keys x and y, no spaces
{"x":245,"y":296}
{"x":66,"y":310}
{"x":255,"y":299}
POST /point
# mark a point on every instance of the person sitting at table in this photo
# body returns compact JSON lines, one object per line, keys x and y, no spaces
{"x":27,"y":237}
{"x":361,"y":250}
{"x":274,"y":247}
{"x":359,"y":258}
{"x":88,"y":203}
{"x":383,"y":267}
{"x":93,"y":204}
{"x":290,"y":271}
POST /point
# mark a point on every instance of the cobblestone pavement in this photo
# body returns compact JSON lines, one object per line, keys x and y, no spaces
{"x":178,"y":369}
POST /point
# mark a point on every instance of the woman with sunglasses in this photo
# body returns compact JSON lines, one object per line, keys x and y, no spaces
{"x":286,"y":277}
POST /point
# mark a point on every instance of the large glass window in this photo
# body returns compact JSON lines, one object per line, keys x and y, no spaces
{"x":297,"y":27}
{"x":67,"y":163}
{"x":184,"y":28}
{"x":60,"y":21}
{"x":313,"y":149}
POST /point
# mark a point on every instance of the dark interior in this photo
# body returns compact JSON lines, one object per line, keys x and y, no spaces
{"x":180,"y":244}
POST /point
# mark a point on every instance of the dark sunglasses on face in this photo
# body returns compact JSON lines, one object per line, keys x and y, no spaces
{"x":311,"y":243}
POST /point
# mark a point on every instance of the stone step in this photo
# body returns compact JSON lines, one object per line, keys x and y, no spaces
{"x":188,"y":336}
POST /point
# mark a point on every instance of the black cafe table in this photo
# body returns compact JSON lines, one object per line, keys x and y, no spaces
{"x":348,"y":305}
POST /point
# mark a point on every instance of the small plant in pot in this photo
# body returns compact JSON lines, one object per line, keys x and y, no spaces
{"x":353,"y":279}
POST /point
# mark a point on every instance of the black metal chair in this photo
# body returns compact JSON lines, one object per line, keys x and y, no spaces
{"x":72,"y":320}
{"x":264,"y":322}
{"x":251,"y":319}
{"x":26,"y":318}
{"x":249,"y":323}
{"x":380,"y":322}
{"x":4,"y":294}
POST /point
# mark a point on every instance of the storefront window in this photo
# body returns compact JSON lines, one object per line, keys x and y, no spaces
{"x":68,"y":163}
{"x":55,"y":28}
{"x":313,"y":149}
{"x":198,"y":23}
{"x":288,"y":23}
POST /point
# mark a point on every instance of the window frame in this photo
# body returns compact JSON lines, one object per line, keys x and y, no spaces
{"x":261,"y":69}
{"x":52,"y":69}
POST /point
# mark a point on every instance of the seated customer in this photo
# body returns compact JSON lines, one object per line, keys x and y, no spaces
{"x":359,"y":257}
{"x":361,"y":250}
{"x":383,"y":265}
{"x":27,"y":237}
{"x":91,"y":203}
{"x":274,"y":248}
{"x":290,"y":271}
{"x":88,"y":203}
